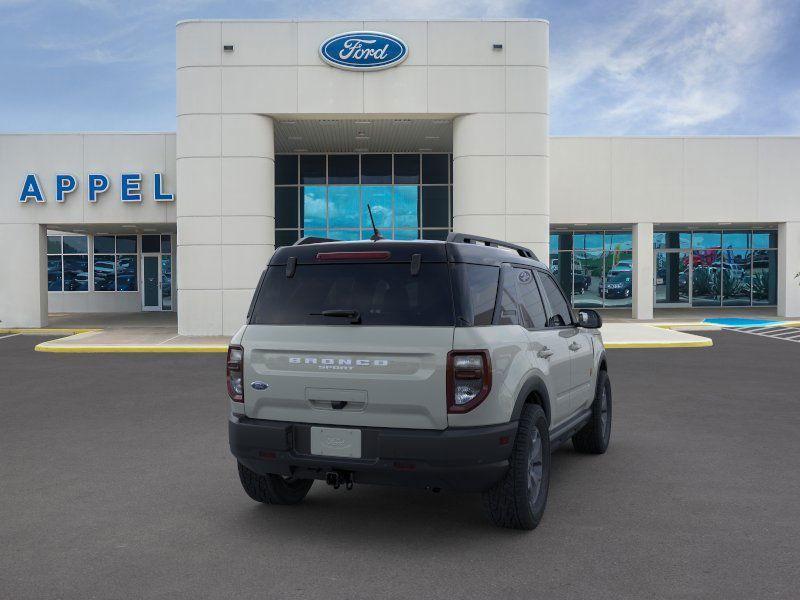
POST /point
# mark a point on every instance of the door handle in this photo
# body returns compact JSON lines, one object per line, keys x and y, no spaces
{"x":575,"y":346}
{"x":545,"y":352}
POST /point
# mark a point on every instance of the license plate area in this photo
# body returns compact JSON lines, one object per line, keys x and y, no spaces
{"x":334,"y":441}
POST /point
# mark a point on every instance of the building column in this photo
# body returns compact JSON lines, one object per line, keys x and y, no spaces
{"x":226,"y":222}
{"x":23,"y":273}
{"x":501,"y":178}
{"x":788,"y":269}
{"x":642,"y":271}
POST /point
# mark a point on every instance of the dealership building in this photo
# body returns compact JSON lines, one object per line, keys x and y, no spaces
{"x":288,"y":129}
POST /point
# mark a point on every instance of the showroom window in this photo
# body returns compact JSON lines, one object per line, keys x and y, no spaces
{"x":115,"y":263}
{"x":326,"y":195}
{"x":67,"y":263}
{"x":594,"y":268}
{"x":716,"y":267}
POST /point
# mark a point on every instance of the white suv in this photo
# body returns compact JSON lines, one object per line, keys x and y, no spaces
{"x":442,"y":365}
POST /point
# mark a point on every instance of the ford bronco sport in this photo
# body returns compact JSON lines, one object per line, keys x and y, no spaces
{"x":453,"y":365}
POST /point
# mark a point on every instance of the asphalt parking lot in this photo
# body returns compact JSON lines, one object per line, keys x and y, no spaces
{"x":116,"y":482}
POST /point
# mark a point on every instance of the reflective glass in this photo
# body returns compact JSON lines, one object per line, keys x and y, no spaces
{"x":313,"y":206}
{"x":344,"y":234}
{"x":765,"y":277}
{"x":406,"y":168}
{"x":315,"y":233}
{"x":562,"y":270}
{"x":434,"y":206}
{"x":434,"y":168}
{"x":312,"y":168}
{"x":166,"y":244}
{"x":406,"y":234}
{"x":343,"y":168}
{"x":54,"y":274}
{"x":530,"y":300}
{"x":285,"y":238}
{"x":76,"y":273}
{"x":706,"y":239}
{"x":706,"y":278}
{"x":587,"y":272}
{"x":406,"y":206}
{"x":54,"y":244}
{"x":735,"y":277}
{"x":104,"y":272}
{"x":672,"y":277}
{"x":588,"y":241}
{"x":166,"y":282}
{"x":104,"y":244}
{"x":75,"y":244}
{"x":434,"y":234}
{"x":618,"y":283}
{"x":618,"y":241}
{"x":126,"y":244}
{"x":553,"y":242}
{"x":736,"y":239}
{"x":126,"y":274}
{"x":376,"y":168}
{"x":765,"y":239}
{"x":285,"y":207}
{"x":343,"y":205}
{"x":379,"y":198}
{"x":151,"y":243}
{"x":672,"y":239}
{"x":285,"y":169}
{"x":561,"y":314}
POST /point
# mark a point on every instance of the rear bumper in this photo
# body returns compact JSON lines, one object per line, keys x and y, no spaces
{"x":469,"y":459}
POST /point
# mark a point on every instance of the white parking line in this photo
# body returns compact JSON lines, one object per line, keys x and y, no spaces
{"x":790,"y":334}
{"x":2,"y":337}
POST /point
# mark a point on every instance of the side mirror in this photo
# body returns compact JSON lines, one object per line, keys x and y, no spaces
{"x":590,"y":319}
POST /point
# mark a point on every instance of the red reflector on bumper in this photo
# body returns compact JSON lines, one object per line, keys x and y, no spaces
{"x":263,"y":454}
{"x":401,"y":466}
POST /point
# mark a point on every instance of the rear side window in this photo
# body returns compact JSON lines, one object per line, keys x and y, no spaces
{"x":476,"y":291}
{"x":530,"y":300}
{"x":382,"y":293}
{"x":507,"y":302}
{"x":561,"y":314}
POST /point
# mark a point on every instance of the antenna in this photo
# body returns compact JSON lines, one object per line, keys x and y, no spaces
{"x":377,"y":235}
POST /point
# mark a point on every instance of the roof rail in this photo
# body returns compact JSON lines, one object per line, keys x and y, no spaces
{"x":465,"y":238}
{"x":313,"y":240}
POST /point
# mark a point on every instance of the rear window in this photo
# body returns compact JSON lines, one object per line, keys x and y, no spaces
{"x":381,"y":293}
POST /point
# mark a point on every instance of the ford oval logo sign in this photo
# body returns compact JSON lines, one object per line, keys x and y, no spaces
{"x":363,"y":50}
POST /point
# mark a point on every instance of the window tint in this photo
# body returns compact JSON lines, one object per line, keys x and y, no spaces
{"x":530,"y":300}
{"x":508,"y":299}
{"x":561,"y":314}
{"x":383,"y":294}
{"x":343,"y":168}
{"x":151,"y":243}
{"x":476,"y":293}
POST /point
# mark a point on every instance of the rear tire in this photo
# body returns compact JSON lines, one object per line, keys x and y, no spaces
{"x":518,"y":500}
{"x":273,"y":489}
{"x":594,"y":437}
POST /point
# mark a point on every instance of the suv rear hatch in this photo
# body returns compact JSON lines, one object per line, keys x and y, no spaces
{"x":351,"y":334}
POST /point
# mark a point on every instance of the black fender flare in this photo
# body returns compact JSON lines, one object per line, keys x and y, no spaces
{"x":534,"y":384}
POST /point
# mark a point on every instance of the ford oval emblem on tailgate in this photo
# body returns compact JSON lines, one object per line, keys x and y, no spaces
{"x":259,"y":385}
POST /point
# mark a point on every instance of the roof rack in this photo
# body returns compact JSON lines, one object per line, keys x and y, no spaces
{"x":465,"y":238}
{"x":313,"y":240}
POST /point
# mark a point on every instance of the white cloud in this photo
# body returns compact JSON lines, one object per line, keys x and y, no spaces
{"x":669,"y":69}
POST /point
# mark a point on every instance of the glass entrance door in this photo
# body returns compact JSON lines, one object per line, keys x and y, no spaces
{"x":151,"y":276}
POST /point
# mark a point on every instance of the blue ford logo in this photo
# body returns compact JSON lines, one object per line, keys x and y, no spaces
{"x":259,"y":385}
{"x":363,"y":50}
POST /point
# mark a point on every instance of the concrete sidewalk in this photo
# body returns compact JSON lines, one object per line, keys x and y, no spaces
{"x":158,"y":332}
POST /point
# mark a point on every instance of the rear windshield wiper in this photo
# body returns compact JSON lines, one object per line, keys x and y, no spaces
{"x":353,"y":315}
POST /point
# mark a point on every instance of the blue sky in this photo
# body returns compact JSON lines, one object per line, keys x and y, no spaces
{"x":617,"y":67}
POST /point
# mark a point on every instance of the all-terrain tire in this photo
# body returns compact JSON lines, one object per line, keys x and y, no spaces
{"x":516,"y":501}
{"x":273,"y":489}
{"x":594,"y":437}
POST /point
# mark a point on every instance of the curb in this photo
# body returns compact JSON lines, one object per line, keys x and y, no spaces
{"x":100,"y":349}
{"x":46,"y":331}
{"x":704,"y":343}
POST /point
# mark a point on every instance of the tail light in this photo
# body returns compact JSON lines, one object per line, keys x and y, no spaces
{"x":235,"y":373}
{"x":469,"y":379}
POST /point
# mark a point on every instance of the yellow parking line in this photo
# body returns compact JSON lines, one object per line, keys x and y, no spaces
{"x":47,"y":331}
